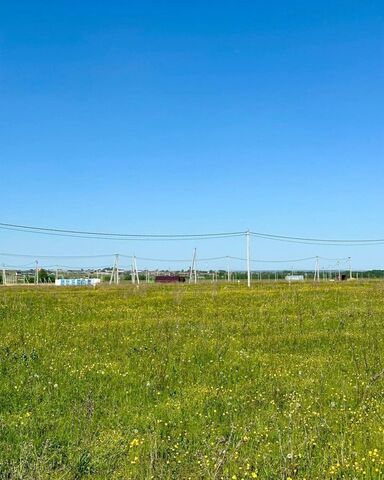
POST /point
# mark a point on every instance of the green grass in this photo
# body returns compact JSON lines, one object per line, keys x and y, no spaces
{"x":192,"y":382}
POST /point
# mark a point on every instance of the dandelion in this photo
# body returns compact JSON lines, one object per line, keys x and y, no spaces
{"x":134,"y":443}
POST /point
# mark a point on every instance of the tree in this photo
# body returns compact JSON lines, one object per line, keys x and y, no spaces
{"x":45,"y":277}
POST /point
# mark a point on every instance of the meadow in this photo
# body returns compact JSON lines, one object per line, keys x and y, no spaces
{"x":207,"y":381}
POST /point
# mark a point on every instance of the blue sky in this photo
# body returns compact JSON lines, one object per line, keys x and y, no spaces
{"x":175,"y":117}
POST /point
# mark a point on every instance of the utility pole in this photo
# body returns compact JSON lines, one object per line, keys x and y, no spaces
{"x":133,"y":274}
{"x":248,"y":258}
{"x":316,"y":277}
{"x":228,"y":271}
{"x":193,"y":272}
{"x":112,"y":273}
{"x":117,"y":268}
{"x":37,"y":272}
{"x":350,"y":268}
{"x":136,"y":273}
{"x":4,"y":276}
{"x":115,"y":271}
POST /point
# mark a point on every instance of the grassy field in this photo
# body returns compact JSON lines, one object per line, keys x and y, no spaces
{"x":192,"y":382}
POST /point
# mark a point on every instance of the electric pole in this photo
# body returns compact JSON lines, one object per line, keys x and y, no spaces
{"x":37,"y":272}
{"x":248,"y":258}
{"x":193,"y":272}
{"x":350,"y":268}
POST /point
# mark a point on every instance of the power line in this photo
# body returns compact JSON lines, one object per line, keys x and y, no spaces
{"x":119,"y":236}
{"x":169,"y":237}
{"x":177,"y":259}
{"x":275,"y":261}
{"x":318,"y":241}
{"x":171,"y":260}
{"x":21,"y":255}
{"x":29,"y":266}
{"x":135,"y":238}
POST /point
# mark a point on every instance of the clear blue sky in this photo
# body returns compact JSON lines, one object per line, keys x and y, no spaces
{"x":175,"y":117}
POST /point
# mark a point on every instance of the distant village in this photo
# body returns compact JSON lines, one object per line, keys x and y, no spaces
{"x":104,"y":275}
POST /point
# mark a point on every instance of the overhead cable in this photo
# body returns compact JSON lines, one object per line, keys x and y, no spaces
{"x":189,"y":236}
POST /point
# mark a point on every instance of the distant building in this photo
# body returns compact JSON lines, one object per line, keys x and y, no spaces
{"x":169,"y":279}
{"x":76,"y":282}
{"x":294,"y":278}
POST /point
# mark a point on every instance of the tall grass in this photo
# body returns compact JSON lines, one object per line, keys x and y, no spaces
{"x":192,"y":382}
